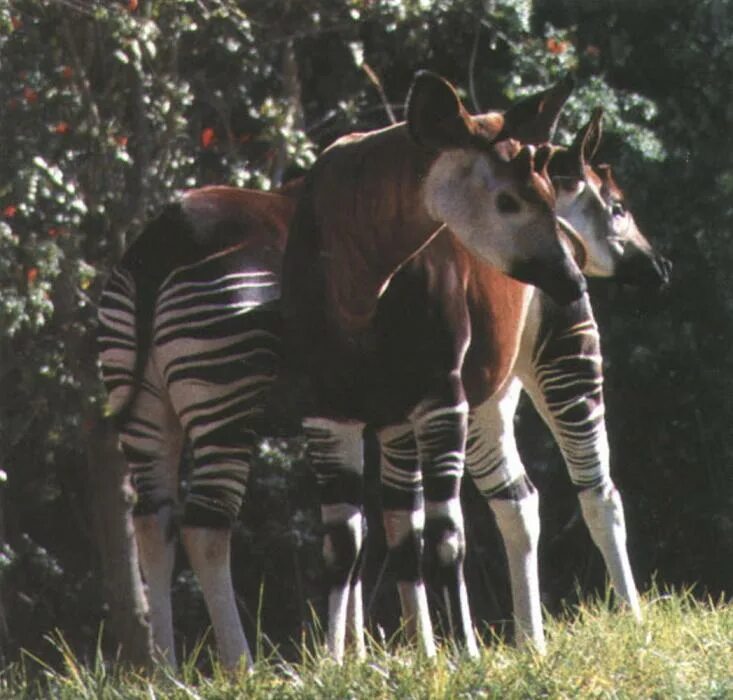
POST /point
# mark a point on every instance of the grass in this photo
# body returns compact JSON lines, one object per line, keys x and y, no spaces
{"x":683,"y":649}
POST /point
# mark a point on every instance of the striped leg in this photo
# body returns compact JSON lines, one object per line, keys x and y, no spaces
{"x":152,"y":441}
{"x":222,"y":446}
{"x":440,"y":432}
{"x":219,"y":355}
{"x":565,"y":382}
{"x":403,"y":511}
{"x":335,"y":450}
{"x":493,"y":462}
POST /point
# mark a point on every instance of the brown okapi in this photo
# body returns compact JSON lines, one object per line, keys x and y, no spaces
{"x":189,"y":347}
{"x":382,"y":315}
{"x":559,"y":364}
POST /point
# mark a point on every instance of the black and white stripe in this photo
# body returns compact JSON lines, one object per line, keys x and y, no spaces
{"x":214,"y":354}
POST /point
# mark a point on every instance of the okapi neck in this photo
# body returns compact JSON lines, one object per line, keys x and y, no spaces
{"x":370,"y":218}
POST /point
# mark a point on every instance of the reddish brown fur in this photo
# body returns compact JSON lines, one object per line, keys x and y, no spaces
{"x":265,"y":213}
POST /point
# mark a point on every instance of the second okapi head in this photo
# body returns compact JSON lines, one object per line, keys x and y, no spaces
{"x":492,"y":199}
{"x":610,"y":243}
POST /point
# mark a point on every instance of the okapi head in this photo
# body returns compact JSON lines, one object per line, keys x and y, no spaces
{"x":610,"y":243}
{"x":490,"y":195}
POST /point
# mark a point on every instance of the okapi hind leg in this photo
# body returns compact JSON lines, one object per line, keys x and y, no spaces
{"x":152,"y":441}
{"x":221,"y":461}
{"x":156,"y":541}
{"x":208,"y":550}
{"x":403,"y":513}
{"x":494,"y":464}
{"x":440,"y":432}
{"x":335,"y":450}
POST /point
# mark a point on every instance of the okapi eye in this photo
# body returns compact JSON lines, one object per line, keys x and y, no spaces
{"x":618,"y":208}
{"x":507,"y":204}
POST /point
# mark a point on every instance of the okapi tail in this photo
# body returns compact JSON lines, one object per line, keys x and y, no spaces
{"x":127,"y":309}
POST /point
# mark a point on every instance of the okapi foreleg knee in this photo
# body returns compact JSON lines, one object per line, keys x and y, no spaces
{"x":403,"y":513}
{"x":342,"y":541}
{"x":517,"y":516}
{"x":208,"y":551}
{"x":440,"y":432}
{"x":446,"y":543}
{"x":156,"y":542}
{"x":335,"y":450}
{"x":494,"y":464}
{"x":604,"y":514}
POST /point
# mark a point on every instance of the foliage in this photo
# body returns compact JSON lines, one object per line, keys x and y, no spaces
{"x":110,"y":109}
{"x":683,"y":649}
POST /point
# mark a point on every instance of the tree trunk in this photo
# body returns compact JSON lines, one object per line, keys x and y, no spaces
{"x":4,"y":633}
{"x":294,"y":118}
{"x":122,"y":586}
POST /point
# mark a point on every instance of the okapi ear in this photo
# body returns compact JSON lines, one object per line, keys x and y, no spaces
{"x":534,"y":119}
{"x":588,"y":139}
{"x":435,"y":116}
{"x":595,"y":131}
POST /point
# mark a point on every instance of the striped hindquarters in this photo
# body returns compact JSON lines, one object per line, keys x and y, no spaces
{"x":213,"y":354}
{"x":117,"y":337}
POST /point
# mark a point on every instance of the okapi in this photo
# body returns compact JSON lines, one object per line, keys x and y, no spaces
{"x":190,"y":347}
{"x":385,"y":317}
{"x":559,"y":365}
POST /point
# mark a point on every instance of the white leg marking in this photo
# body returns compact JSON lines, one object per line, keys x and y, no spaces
{"x":355,"y":620}
{"x":448,"y":551}
{"x":209,"y":553}
{"x":604,"y":514}
{"x":519,"y":525}
{"x":157,"y":557}
{"x":338,"y":598}
{"x":494,"y":463}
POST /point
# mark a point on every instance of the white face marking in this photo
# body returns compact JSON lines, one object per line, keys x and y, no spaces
{"x":483,"y":208}
{"x":581,"y":204}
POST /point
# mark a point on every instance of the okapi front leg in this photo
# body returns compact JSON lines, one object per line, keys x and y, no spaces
{"x":494,"y":464}
{"x":336,"y":453}
{"x":440,"y":432}
{"x":403,"y":513}
{"x":604,"y":514}
{"x":565,"y":383}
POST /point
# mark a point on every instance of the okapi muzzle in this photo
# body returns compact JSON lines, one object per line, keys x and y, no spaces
{"x":562,"y":282}
{"x":643,"y":268}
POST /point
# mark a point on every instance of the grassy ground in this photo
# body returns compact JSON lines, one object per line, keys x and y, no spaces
{"x":684,"y":649}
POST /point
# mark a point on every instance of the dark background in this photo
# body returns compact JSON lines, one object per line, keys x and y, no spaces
{"x":109,"y":109}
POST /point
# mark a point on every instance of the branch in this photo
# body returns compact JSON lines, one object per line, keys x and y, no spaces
{"x":382,"y":95}
{"x":472,"y":68}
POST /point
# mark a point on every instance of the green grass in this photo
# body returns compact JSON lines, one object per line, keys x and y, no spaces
{"x":683,"y":649}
